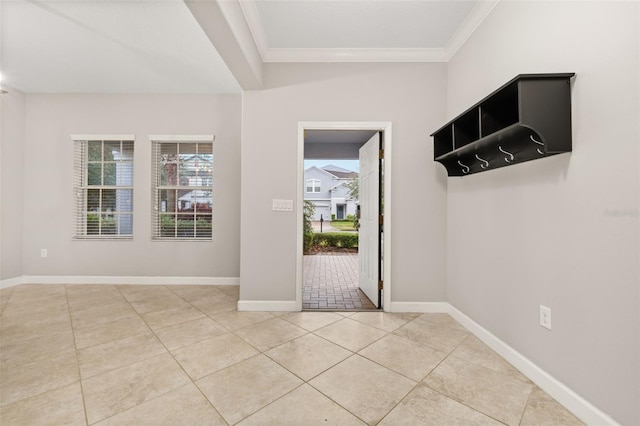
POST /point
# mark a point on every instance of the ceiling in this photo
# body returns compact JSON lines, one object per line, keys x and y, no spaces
{"x":171,"y":46}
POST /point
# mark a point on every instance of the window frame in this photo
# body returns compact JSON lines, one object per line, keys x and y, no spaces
{"x":313,"y":186}
{"x":157,"y":187}
{"x":82,"y":186}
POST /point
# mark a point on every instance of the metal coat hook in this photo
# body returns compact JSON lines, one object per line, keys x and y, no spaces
{"x":508,"y":153}
{"x":465,"y":169}
{"x":539,"y":143}
{"x":484,"y":164}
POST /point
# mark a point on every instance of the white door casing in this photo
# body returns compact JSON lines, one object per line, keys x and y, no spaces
{"x":368,"y":256}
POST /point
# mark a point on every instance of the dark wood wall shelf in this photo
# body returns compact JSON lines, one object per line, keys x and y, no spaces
{"x":527,"y":118}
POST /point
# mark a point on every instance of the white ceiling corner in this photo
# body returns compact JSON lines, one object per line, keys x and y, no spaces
{"x":440,"y":46}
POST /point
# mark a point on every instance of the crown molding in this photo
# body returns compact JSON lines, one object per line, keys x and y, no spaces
{"x":354,"y":55}
{"x":470,"y":24}
{"x":444,"y":54}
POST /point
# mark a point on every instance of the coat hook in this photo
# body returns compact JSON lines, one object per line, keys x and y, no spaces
{"x":484,"y":164}
{"x":465,"y":169}
{"x":508,"y":153}
{"x":539,"y":143}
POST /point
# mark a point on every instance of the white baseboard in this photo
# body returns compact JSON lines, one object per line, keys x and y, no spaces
{"x":420,"y":307}
{"x":580,"y":407}
{"x":78,"y":279}
{"x":10,"y":282}
{"x":267,"y":305}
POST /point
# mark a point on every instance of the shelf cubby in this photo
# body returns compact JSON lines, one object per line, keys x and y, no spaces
{"x":526,"y":119}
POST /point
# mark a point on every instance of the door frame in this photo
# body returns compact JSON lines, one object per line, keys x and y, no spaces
{"x":386,"y":129}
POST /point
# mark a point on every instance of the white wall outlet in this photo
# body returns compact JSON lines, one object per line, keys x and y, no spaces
{"x":545,"y":317}
{"x":282,"y":205}
{"x":43,"y":253}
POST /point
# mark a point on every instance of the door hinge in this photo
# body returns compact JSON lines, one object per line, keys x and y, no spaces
{"x":381,"y":154}
{"x":380,"y":220}
{"x":380,"y":285}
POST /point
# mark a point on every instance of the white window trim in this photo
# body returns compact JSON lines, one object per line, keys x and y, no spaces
{"x":154,"y":207}
{"x":182,"y":138}
{"x":318,"y":187}
{"x":82,"y":185}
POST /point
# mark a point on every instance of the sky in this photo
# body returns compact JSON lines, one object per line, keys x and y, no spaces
{"x":352,"y":165}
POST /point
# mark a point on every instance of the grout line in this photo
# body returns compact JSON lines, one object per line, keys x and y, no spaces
{"x":75,"y":345}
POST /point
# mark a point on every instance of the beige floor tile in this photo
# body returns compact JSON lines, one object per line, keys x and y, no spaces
{"x":27,"y":292}
{"x":109,"y":356}
{"x":440,"y":320}
{"x":192,"y":293}
{"x":403,"y":356}
{"x":137,"y":293}
{"x":543,"y":410}
{"x":438,"y":337}
{"x":110,"y":393}
{"x":308,"y":356}
{"x":182,"y":406}
{"x":311,"y":321}
{"x":351,"y":334}
{"x":93,"y":294}
{"x":158,"y":303}
{"x":39,"y":308}
{"x":230,"y":290}
{"x":303,"y":406}
{"x":212,"y":305}
{"x":32,"y":379}
{"x":234,"y":320}
{"x":270,"y":333}
{"x":19,"y":329}
{"x":87,"y":316}
{"x":384,"y":320}
{"x":424,"y":406}
{"x":187,"y":333}
{"x":244,"y":388}
{"x":365,"y":388}
{"x":473,"y":350}
{"x":62,"y":406}
{"x":36,"y":348}
{"x":105,"y":333}
{"x":209,"y":356}
{"x":494,"y":394}
{"x":173,"y":316}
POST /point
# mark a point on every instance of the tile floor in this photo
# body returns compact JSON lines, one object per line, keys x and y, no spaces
{"x":182,"y":355}
{"x":331,"y":283}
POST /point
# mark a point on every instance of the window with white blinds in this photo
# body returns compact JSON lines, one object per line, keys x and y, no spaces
{"x":182,"y":187}
{"x":104,"y":186}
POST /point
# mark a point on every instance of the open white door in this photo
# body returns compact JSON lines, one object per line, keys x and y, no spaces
{"x":369,"y":236}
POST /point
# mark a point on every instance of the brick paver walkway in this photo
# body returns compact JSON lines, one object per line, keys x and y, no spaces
{"x":331,"y":282}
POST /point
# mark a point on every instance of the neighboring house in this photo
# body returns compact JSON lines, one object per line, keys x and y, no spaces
{"x":326,"y":188}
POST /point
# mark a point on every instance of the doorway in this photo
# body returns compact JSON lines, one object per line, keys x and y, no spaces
{"x":374,"y":264}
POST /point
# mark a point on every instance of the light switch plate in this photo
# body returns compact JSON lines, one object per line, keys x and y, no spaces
{"x":282,"y":205}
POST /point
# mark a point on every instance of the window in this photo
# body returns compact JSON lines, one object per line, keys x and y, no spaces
{"x":313,"y":185}
{"x":182,"y":187}
{"x":104,"y":186}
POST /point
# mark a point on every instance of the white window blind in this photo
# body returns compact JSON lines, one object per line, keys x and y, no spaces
{"x":104,"y":188}
{"x":182,"y":189}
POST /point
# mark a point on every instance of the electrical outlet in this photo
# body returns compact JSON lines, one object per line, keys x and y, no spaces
{"x":545,"y":317}
{"x":43,"y":253}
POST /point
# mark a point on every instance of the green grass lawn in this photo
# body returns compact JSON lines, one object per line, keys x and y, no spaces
{"x":343,"y":225}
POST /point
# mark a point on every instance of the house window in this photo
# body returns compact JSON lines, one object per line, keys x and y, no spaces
{"x":182,"y":187}
{"x":313,"y":185}
{"x":104,"y":186}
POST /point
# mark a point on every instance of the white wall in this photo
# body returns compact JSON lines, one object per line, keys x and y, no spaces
{"x":538,"y":233}
{"x":411,"y":96}
{"x":12,"y":125}
{"x":49,"y":204}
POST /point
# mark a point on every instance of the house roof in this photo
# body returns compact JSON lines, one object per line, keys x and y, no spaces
{"x":340,"y":172}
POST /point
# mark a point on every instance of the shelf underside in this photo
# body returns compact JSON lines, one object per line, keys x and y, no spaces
{"x":512,"y":145}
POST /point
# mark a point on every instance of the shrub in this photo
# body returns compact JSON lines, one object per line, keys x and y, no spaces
{"x":309,"y":210}
{"x":336,"y":239}
{"x":333,"y":216}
